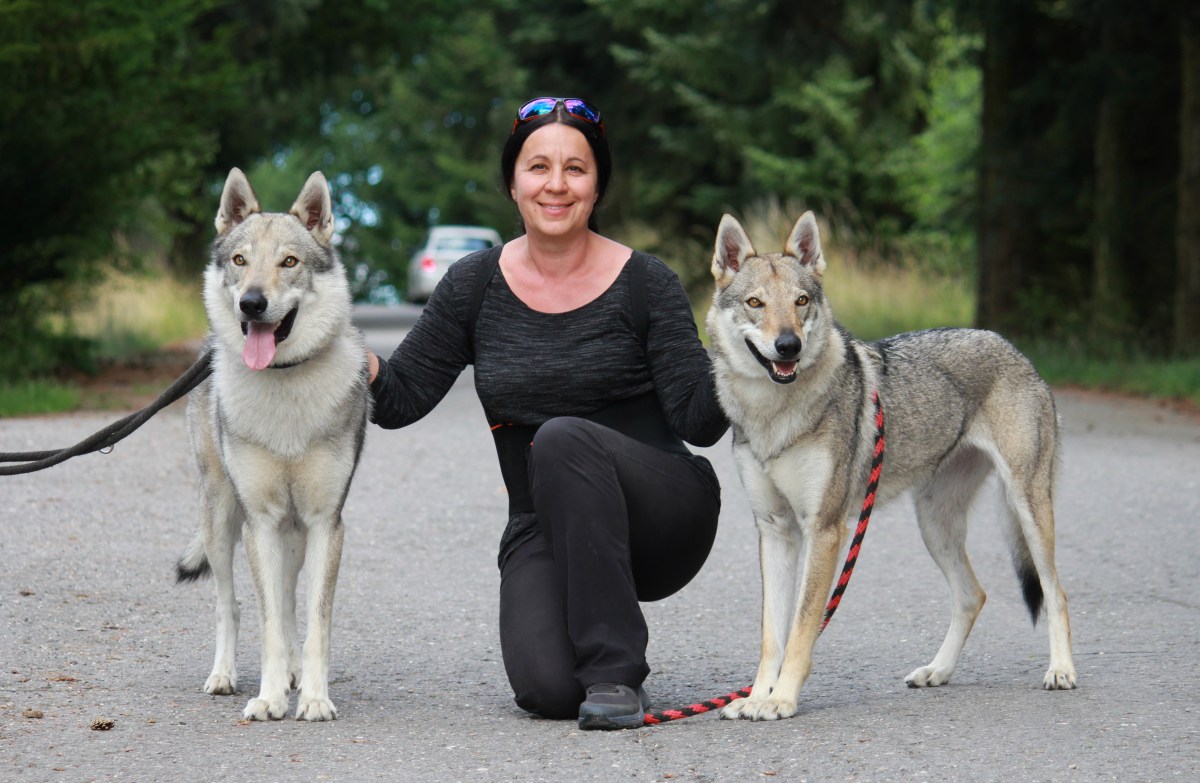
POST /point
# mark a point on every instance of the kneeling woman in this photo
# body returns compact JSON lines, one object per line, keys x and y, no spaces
{"x":591,"y":374}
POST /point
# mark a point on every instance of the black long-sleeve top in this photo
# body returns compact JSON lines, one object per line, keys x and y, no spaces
{"x":532,"y":366}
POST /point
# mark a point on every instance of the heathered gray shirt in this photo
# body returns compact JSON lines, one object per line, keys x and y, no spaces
{"x":532,"y":366}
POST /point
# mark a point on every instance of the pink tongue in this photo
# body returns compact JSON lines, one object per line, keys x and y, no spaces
{"x":260,"y":346}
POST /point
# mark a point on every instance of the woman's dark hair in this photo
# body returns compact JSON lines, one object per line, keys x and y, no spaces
{"x":595,"y":139}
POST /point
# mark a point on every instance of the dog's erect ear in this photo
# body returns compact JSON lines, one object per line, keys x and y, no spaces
{"x":314,"y":207}
{"x":733,"y":247}
{"x":238,"y":202}
{"x":805,"y":243}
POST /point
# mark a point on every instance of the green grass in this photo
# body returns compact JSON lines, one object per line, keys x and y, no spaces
{"x":131,"y":314}
{"x":34,"y":397}
{"x":1177,"y":379}
{"x":125,"y":316}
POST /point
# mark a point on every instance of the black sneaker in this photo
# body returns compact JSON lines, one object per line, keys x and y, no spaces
{"x":611,"y":705}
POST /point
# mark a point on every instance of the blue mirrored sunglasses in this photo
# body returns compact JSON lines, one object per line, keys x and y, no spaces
{"x":574,"y":106}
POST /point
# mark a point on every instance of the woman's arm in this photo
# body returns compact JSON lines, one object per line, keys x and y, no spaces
{"x":430,"y":358}
{"x":679,"y":363}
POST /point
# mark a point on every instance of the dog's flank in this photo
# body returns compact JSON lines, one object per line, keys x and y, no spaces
{"x":960,"y":404}
{"x":276,"y":434}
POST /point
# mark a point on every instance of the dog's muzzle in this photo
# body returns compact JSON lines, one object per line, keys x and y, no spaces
{"x":780,"y":370}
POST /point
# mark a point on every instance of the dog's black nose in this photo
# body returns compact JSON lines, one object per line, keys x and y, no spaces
{"x":253,"y":303}
{"x":787,"y":345}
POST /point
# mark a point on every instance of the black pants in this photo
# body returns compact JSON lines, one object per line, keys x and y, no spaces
{"x":619,"y":522}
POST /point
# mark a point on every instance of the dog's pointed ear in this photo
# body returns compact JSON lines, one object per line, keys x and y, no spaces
{"x":314,"y":207}
{"x":805,"y":243}
{"x":238,"y":202}
{"x":733,"y":247}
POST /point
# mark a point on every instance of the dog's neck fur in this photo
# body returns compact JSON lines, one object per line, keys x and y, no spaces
{"x":770,"y":415}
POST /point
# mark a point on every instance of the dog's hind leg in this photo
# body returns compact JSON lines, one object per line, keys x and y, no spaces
{"x":1030,"y":503}
{"x":942,"y":506}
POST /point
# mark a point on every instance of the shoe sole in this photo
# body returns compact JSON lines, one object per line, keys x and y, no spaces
{"x":610,"y":722}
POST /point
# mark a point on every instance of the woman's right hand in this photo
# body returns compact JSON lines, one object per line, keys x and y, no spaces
{"x":372,"y":366}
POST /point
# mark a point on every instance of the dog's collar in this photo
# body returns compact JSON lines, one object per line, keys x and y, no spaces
{"x":289,"y":365}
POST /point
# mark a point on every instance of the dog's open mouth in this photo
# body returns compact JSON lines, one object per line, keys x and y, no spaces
{"x":262,"y":339}
{"x":780,"y":372}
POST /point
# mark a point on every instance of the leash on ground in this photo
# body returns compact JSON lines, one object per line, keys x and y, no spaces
{"x":108,"y":437}
{"x":654,"y":717}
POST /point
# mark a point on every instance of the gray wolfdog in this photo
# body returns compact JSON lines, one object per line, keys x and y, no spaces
{"x":276,"y":432}
{"x":960,"y":404}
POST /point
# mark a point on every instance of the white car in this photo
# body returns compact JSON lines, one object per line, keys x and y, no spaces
{"x":444,"y":246}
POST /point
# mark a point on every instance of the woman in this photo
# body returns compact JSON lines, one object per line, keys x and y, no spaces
{"x":591,"y":374}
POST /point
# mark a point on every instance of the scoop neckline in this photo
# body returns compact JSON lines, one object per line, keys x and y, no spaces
{"x":624,"y":271}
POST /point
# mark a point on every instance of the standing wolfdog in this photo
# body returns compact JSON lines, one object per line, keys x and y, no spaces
{"x":276,"y":432}
{"x":960,"y":403}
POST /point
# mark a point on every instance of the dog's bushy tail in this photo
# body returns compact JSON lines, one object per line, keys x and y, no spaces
{"x":1027,"y":575}
{"x":193,"y":563}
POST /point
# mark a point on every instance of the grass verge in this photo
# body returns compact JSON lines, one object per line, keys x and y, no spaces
{"x":131,"y":328}
{"x":38,"y":396}
{"x":1174,"y":379}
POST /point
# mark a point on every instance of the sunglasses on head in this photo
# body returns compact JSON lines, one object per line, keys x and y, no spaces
{"x":574,"y":106}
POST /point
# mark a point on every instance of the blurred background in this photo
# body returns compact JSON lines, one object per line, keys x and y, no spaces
{"x":1030,"y":166}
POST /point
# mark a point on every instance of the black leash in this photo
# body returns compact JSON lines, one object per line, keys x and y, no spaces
{"x":108,"y":437}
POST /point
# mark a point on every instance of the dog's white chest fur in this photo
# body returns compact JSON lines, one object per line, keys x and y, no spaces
{"x":286,"y":410}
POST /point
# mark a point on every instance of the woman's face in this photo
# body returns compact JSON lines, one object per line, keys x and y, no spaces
{"x":554,"y":181}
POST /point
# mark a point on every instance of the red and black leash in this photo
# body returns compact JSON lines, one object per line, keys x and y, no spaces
{"x":864,"y":518}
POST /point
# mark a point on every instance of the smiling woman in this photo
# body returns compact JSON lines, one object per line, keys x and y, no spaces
{"x":592,"y":376}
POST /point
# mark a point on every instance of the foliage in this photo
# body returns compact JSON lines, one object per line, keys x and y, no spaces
{"x":120,"y":120}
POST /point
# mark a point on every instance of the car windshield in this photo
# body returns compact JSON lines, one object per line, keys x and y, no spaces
{"x":468,"y":244}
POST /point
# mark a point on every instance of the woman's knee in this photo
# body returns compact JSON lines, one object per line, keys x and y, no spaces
{"x":562,"y":437}
{"x":557,"y":700}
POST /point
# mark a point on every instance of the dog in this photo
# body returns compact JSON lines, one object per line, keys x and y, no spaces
{"x":798,"y":390}
{"x":276,"y":432}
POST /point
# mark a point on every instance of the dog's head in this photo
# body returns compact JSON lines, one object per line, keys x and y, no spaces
{"x":768,"y":309}
{"x":274,"y":276}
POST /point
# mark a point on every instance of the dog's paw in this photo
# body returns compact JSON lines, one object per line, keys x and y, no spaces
{"x":315,"y":709}
{"x":928,"y":677}
{"x":221,"y":684}
{"x":264,"y":709}
{"x":1059,"y":679}
{"x":765,"y":709}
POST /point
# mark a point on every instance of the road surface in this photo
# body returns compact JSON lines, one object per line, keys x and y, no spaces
{"x":93,"y":629}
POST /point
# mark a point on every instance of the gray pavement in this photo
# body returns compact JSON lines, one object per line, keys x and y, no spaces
{"x":92,"y":627}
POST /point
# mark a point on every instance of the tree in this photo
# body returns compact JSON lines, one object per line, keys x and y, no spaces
{"x":1187,"y":285}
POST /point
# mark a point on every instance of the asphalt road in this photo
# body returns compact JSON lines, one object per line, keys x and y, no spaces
{"x":93,"y":628}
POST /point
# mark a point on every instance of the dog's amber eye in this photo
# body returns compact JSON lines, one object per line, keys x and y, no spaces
{"x":754,"y":302}
{"x":290,"y":261}
{"x":239,"y":260}
{"x":802,"y":300}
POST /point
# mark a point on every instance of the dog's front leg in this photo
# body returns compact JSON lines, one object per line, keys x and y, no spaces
{"x":820,"y":552}
{"x":820,"y":562}
{"x":265,"y":552}
{"x":779,"y":547}
{"x":324,"y":554}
